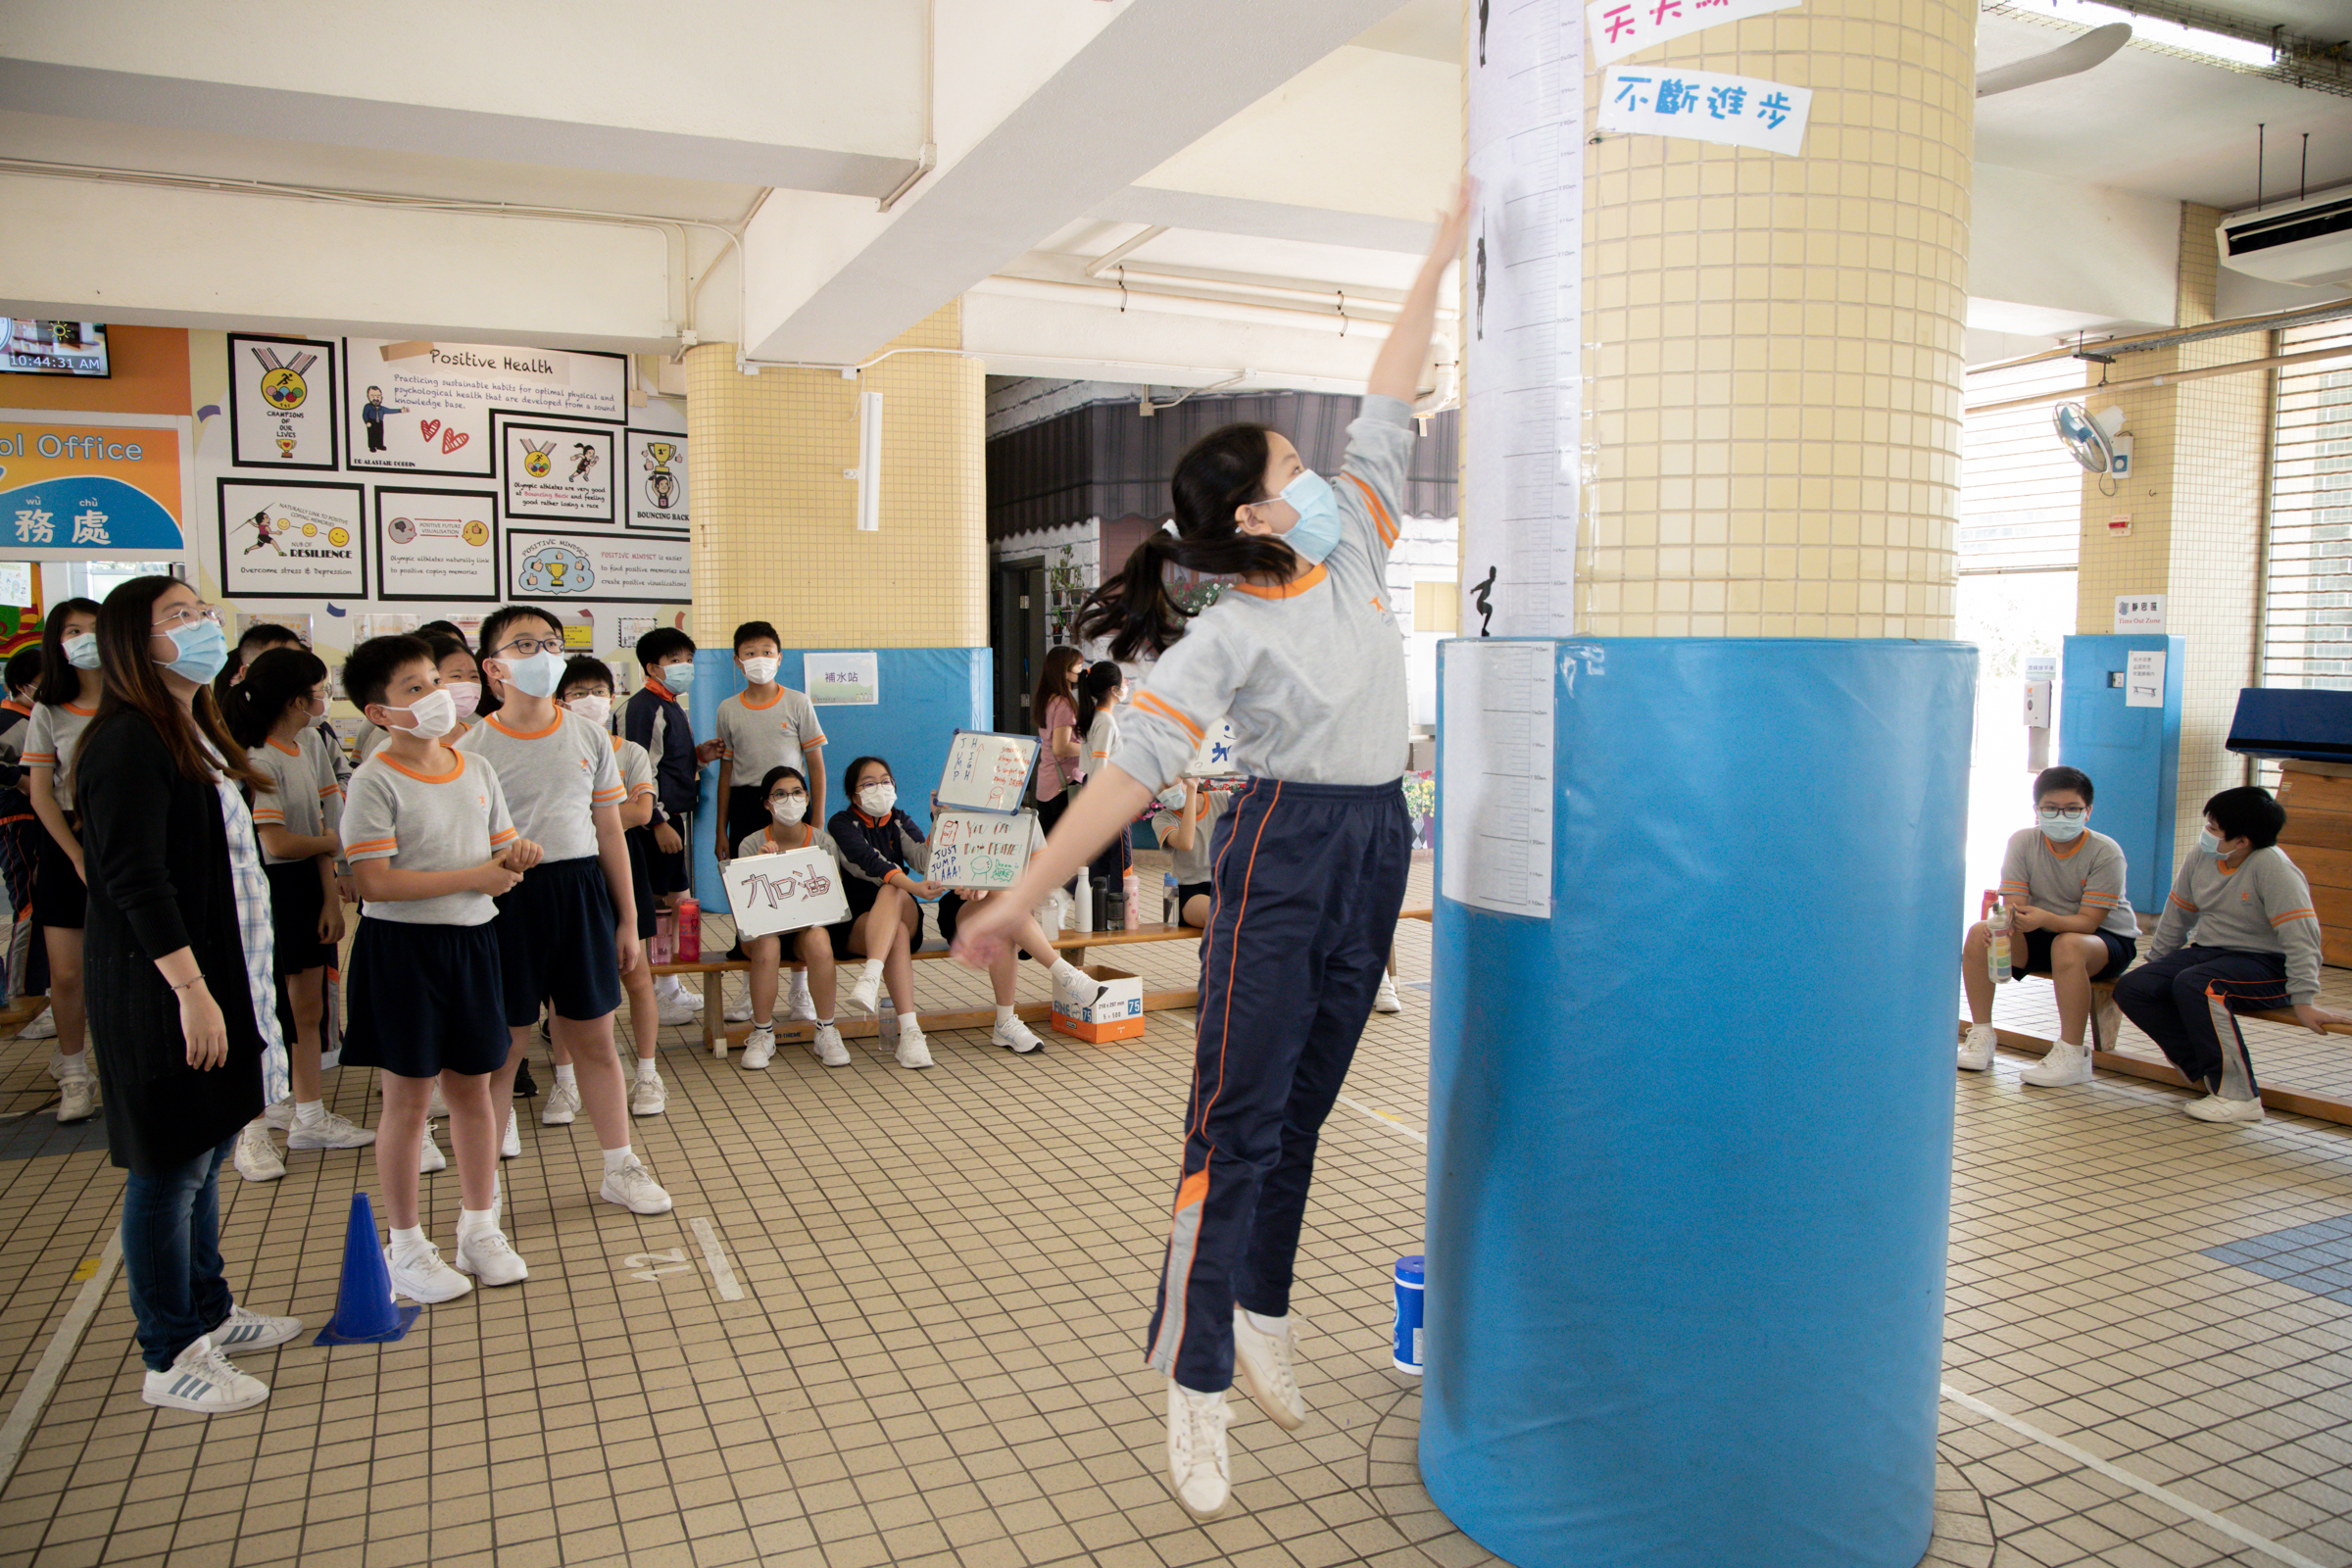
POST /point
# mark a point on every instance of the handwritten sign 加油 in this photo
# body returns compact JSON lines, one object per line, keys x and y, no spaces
{"x":789,"y":891}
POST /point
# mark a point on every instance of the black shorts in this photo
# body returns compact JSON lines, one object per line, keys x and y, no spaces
{"x":423,"y":998}
{"x":669,"y":871}
{"x":641,"y":863}
{"x":1186,"y":891}
{"x":58,"y":896}
{"x":2120,"y":951}
{"x":746,"y":814}
{"x":554,"y":942}
{"x":297,"y":899}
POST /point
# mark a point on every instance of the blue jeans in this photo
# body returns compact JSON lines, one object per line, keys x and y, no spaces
{"x":172,"y":1254}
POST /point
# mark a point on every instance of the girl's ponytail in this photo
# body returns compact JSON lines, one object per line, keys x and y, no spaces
{"x":273,"y":683}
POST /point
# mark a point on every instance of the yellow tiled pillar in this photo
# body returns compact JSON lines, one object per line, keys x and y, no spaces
{"x":2194,"y":505}
{"x":775,"y":521}
{"x":1775,"y":342}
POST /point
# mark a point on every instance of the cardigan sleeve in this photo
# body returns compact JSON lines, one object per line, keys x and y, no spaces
{"x":125,"y":779}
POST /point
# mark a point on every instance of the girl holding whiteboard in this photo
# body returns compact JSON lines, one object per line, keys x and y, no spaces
{"x":1302,"y":654}
{"x":785,"y":794}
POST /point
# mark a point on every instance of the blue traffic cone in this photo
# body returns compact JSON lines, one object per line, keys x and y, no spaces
{"x":364,"y":1311}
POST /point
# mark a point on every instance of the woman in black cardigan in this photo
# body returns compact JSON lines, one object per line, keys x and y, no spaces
{"x":180,"y":1006}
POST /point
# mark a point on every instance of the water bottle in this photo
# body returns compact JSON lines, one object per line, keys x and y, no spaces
{"x":689,"y":930}
{"x":1997,"y":955}
{"x":1109,"y":905}
{"x":1086,"y":904}
{"x":1167,"y":899}
{"x":1131,"y":900}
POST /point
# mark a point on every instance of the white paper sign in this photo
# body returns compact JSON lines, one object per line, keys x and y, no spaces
{"x":1621,"y":28}
{"x":981,"y":849}
{"x":1494,"y":807}
{"x":1213,"y":756}
{"x":643,"y":569}
{"x":2139,"y":612}
{"x":1706,"y":106}
{"x":987,"y":771}
{"x":2143,"y":679}
{"x":847,"y":680}
{"x":281,"y":399}
{"x":789,"y":891}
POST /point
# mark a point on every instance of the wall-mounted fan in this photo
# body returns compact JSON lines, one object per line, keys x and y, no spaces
{"x":2097,"y":441}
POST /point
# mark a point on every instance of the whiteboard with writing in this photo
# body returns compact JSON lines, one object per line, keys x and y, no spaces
{"x":987,"y":771}
{"x":981,"y":849}
{"x":789,"y":891}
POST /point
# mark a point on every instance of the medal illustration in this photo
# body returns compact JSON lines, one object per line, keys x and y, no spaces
{"x":282,"y":386}
{"x":538,"y":464}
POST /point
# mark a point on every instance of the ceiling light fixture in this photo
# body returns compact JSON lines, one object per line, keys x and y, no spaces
{"x":2156,"y":31}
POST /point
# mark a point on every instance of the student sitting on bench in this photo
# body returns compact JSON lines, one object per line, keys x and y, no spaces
{"x":2064,"y":887}
{"x":2239,"y":935}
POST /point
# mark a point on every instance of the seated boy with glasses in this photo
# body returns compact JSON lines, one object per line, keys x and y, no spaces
{"x":2064,"y":888}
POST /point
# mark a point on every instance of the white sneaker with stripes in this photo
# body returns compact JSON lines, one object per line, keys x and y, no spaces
{"x":203,"y":1380}
{"x":243,"y":1329}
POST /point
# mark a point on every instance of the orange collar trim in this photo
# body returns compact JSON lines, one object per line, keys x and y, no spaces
{"x":2070,"y":851}
{"x":1289,"y":590}
{"x":554,"y":725}
{"x":15,"y":706}
{"x":283,"y":747}
{"x":79,"y":712}
{"x":744,"y":696}
{"x":456,"y":765}
{"x":655,"y":682}
{"x":871,"y":821}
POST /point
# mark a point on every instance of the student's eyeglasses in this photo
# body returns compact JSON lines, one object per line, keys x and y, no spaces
{"x":2073,"y":813}
{"x":188,"y":615}
{"x":527,"y":646}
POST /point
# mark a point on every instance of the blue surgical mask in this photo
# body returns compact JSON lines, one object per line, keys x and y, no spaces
{"x":203,"y":651}
{"x":2207,"y":844}
{"x":540,"y":676}
{"x":81,"y":650}
{"x":2058,"y":829}
{"x":1316,"y":533}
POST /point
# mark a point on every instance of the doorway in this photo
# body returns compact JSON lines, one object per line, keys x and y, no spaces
{"x":1017,"y":603}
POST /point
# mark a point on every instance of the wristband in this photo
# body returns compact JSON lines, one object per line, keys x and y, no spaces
{"x":184,"y":984}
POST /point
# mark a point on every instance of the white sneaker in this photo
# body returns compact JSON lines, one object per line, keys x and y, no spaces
{"x":1976,"y":1051}
{"x":634,"y":1189}
{"x":242,"y":1331}
{"x":914,"y":1051}
{"x":673,"y":1012}
{"x":43,"y":1027}
{"x":2213,"y":1107}
{"x":828,"y":1048}
{"x":864,"y":994}
{"x":257,"y":1156}
{"x":1197,"y":1466}
{"x":648,"y":1097}
{"x":76,"y":1096}
{"x":1384,"y":1000}
{"x":760,"y":1047}
{"x":738,"y":1012}
{"x":1263,"y":1361}
{"x":512,"y":1145}
{"x":429,"y":1158}
{"x":279,"y":1118}
{"x":420,"y":1275}
{"x":334,"y":1131}
{"x":1016,"y":1037}
{"x":800,"y":1008}
{"x":203,"y":1380}
{"x":2065,"y":1065}
{"x":562,"y":1106}
{"x":488,"y":1256}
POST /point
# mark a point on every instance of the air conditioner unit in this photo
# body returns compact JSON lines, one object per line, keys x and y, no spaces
{"x":2307,"y":241}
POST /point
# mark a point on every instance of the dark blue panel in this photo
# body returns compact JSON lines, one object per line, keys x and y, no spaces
{"x":2288,"y":723}
{"x":2132,"y":755}
{"x":1691,"y":1138}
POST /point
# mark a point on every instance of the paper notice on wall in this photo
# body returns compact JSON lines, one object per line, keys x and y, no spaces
{"x":1621,"y":28}
{"x":1495,"y":776}
{"x":1706,"y":106}
{"x":2144,"y":679}
{"x":2139,"y":612}
{"x":842,"y":679}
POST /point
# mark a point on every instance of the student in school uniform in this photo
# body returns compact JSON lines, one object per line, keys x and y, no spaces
{"x":2063,"y":882}
{"x":19,"y":830}
{"x":66,"y":700}
{"x":297,"y":820}
{"x":1302,"y":653}
{"x":461,"y":677}
{"x":762,"y":726}
{"x":569,"y":932}
{"x":588,"y":692}
{"x":818,"y":947}
{"x":260,"y":638}
{"x":2239,"y":934}
{"x":1183,"y":830}
{"x":432,"y":847}
{"x":655,"y":717}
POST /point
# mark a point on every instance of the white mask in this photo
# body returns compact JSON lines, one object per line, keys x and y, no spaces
{"x":1172,"y":797}
{"x":468,"y":695}
{"x":761,"y":670}
{"x":598,"y":710}
{"x":435,"y":714}
{"x":789,"y":809}
{"x":2058,"y":829}
{"x":878,"y":800}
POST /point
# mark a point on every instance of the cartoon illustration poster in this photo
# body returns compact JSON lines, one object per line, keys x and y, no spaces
{"x":282,"y":399}
{"x":435,"y":544}
{"x":558,"y":473}
{"x":426,"y":407}
{"x":292,"y":539}
{"x":655,"y":480}
{"x":609,"y":567}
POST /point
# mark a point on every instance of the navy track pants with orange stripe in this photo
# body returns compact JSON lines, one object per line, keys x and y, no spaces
{"x":2186,"y":999}
{"x":1308,"y":881}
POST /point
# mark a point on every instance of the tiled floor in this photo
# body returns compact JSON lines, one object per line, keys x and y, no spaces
{"x":945,"y":1274}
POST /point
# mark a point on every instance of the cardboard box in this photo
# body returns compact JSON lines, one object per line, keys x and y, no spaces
{"x":1107,"y":1005}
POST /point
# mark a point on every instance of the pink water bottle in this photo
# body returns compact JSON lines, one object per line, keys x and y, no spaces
{"x":689,"y":930}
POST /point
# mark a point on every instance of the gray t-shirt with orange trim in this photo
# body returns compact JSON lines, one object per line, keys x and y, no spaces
{"x":2087,"y":875}
{"x":50,"y":736}
{"x":1313,"y":673}
{"x":757,"y":739}
{"x":419,"y":821}
{"x":553,"y":778}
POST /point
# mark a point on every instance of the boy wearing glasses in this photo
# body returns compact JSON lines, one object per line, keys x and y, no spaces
{"x":2064,"y":887}
{"x":579,"y":903}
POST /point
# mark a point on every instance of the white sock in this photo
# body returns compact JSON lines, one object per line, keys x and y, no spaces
{"x":308,"y":1113}
{"x":1003,"y":1016}
{"x":407,"y":1241}
{"x":824,"y":1023}
{"x":910,"y":1024}
{"x":568,"y":1076}
{"x":873,"y":972}
{"x":1273,"y":1326}
{"x":799,"y":984}
{"x":668,"y":987}
{"x":646,"y":1069}
{"x":615,"y":1158}
{"x":470,"y":1220}
{"x":78,"y":1065}
{"x":769,"y":1024}
{"x":1067,"y":973}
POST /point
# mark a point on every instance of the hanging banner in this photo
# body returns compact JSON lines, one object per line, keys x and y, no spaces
{"x":79,"y":491}
{"x":557,"y":474}
{"x":597,"y":568}
{"x":291,"y":539}
{"x":1706,"y":106}
{"x":282,"y":402}
{"x":426,"y":406}
{"x":1621,"y":28}
{"x":436,"y":544}
{"x":657,"y":480}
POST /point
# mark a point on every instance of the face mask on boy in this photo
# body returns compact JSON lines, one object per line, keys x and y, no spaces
{"x":598,"y":710}
{"x":2059,"y":829}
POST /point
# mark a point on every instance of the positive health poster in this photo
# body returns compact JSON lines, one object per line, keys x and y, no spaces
{"x":426,"y":407}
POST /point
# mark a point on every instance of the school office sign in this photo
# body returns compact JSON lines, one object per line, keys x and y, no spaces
{"x":79,"y":491}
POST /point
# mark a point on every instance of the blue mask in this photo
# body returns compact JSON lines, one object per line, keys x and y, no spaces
{"x":203,"y":650}
{"x":1316,"y":533}
{"x":540,"y":676}
{"x":2207,"y":844}
{"x":81,"y":650}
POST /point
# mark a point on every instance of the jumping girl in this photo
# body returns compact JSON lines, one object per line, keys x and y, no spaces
{"x":1307,"y":866}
